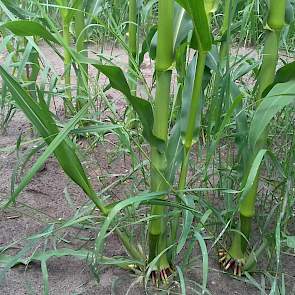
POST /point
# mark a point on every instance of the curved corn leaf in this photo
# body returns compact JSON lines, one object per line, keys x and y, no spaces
{"x":142,"y":107}
{"x":63,"y":148}
{"x":181,"y":280}
{"x":279,"y":97}
{"x":186,"y":98}
{"x":289,"y":17}
{"x":16,"y":10}
{"x":174,"y":153}
{"x":205,"y":257}
{"x":196,"y":9}
{"x":147,"y":46}
{"x":254,"y":170}
{"x":284,"y":74}
{"x":26,"y":28}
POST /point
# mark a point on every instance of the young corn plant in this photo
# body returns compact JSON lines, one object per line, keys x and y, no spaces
{"x":190,"y":121}
{"x":238,"y":258}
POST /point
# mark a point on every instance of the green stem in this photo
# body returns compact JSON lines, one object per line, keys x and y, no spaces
{"x":276,"y":21}
{"x":195,"y":109}
{"x":132,"y":44}
{"x":157,"y":226}
{"x":164,"y":60}
{"x":81,"y":47}
{"x":132,"y":41}
{"x":276,"y":15}
{"x":270,"y":59}
{"x":196,"y":102}
{"x":67,"y":60}
{"x":226,"y":18}
{"x":236,"y":250}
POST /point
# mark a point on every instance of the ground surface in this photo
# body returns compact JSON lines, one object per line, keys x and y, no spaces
{"x":47,"y":193}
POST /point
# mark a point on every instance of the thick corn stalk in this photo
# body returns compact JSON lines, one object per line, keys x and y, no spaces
{"x":164,"y":60}
{"x":275,"y":23}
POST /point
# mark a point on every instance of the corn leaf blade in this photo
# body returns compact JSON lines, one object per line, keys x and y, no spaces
{"x":196,"y":9}
{"x":25,"y":28}
{"x":58,"y":143}
{"x":280,"y":96}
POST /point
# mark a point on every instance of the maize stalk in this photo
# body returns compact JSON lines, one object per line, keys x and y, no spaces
{"x":237,"y":255}
{"x":164,"y":60}
{"x":81,"y":47}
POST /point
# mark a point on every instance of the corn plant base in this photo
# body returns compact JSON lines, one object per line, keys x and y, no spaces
{"x":228,"y":262}
{"x":161,"y":276}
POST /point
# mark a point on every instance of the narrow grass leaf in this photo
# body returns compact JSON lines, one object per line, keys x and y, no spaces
{"x":188,"y":220}
{"x":99,"y":243}
{"x":204,"y":251}
{"x":181,"y":280}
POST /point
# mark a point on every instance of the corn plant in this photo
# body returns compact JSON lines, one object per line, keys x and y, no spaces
{"x":236,"y":258}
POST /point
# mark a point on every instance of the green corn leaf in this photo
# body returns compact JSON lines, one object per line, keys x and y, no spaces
{"x":142,"y":107}
{"x":44,"y":270}
{"x":254,"y":170}
{"x":42,"y":119}
{"x":184,"y":4}
{"x":284,"y":74}
{"x":279,"y":97}
{"x":182,"y":280}
{"x":186,"y":98}
{"x":289,"y":17}
{"x":174,"y":153}
{"x":72,"y":10}
{"x":44,"y":256}
{"x":25,"y":28}
{"x":196,"y":9}
{"x":291,"y":242}
{"x":98,"y":128}
{"x":12,"y":6}
{"x":211,"y":6}
{"x":220,"y":132}
{"x":147,"y":46}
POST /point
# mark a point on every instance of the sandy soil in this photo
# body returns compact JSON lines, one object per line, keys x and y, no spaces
{"x":47,"y":193}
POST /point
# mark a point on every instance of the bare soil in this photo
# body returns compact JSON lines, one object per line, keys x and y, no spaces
{"x":46,"y":193}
